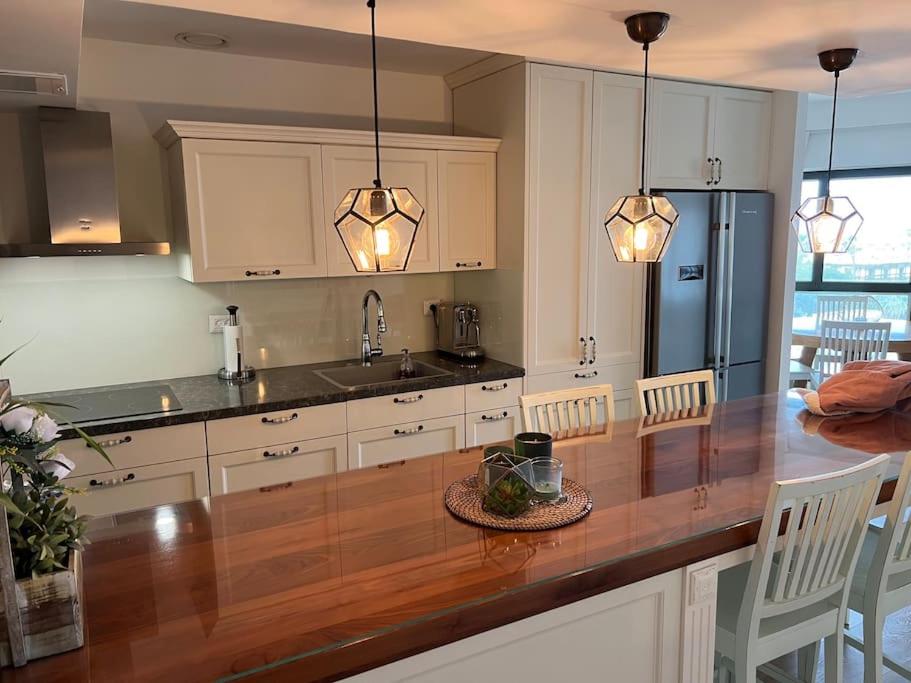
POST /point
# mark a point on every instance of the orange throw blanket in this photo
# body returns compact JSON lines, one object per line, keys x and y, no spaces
{"x":861,"y":387}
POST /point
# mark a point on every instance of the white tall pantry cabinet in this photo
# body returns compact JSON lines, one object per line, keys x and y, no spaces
{"x":579,"y":149}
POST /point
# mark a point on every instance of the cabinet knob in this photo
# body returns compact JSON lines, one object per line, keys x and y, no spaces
{"x":409,"y":432}
{"x":468,"y":264}
{"x":586,"y":375}
{"x":408,"y":399}
{"x":114,"y":481}
{"x":279,"y":420}
{"x":262,"y":273}
{"x":718,"y":166}
{"x":110,"y":443}
{"x":496,"y":387}
{"x":495,"y":418}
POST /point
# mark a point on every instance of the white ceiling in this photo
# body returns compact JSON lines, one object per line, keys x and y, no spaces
{"x":766,"y":43}
{"x":157,"y":25}
{"x":42,"y":37}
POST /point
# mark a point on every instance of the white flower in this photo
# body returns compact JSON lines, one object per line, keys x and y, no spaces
{"x":19,"y":420}
{"x":44,"y":429}
{"x":59,"y":465}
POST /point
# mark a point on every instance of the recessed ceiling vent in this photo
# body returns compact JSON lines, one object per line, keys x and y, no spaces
{"x":32,"y":83}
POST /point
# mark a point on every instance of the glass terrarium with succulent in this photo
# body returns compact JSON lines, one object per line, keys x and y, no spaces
{"x":506,"y":483}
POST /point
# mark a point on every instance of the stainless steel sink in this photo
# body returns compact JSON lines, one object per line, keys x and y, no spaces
{"x":383,"y":372}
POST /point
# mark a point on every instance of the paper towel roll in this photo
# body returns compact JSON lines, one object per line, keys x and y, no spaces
{"x":234,"y":348}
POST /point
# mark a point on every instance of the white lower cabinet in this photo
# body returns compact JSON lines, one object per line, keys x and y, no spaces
{"x":490,"y":426}
{"x":625,"y":404}
{"x":133,"y":488}
{"x":382,"y":445}
{"x":268,"y":466}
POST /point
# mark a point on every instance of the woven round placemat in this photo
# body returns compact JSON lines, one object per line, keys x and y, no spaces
{"x":463,"y":499}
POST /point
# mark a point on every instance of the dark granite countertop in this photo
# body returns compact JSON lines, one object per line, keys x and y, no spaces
{"x":295,"y":386}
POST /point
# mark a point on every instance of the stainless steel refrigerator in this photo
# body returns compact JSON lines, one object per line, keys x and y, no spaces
{"x":707,"y":302}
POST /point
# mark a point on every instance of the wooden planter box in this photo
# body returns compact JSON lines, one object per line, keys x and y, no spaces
{"x":50,"y":609}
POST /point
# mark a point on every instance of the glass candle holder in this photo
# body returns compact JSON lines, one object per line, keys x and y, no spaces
{"x":534,"y":445}
{"x":548,"y":474}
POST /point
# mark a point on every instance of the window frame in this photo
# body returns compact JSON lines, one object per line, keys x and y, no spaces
{"x":816,"y":283}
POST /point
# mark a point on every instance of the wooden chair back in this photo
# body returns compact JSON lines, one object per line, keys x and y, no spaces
{"x":851,"y":308}
{"x":841,"y":342}
{"x":893,"y":554}
{"x":828,"y":518}
{"x":566,"y":411}
{"x":671,"y":393}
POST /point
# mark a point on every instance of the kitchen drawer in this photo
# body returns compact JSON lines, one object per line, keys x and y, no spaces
{"x":135,"y":488}
{"x":137,"y":448}
{"x":394,"y":409}
{"x":619,"y":376}
{"x":282,"y":426}
{"x":491,"y":426}
{"x":496,"y":394}
{"x":403,"y":441}
{"x":260,"y":467}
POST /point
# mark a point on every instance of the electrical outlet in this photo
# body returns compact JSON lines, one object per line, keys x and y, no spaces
{"x":217,"y":322}
{"x":428,"y":303}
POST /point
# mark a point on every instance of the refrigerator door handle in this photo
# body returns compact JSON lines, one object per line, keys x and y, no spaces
{"x":720,"y":253}
{"x":729,"y":282}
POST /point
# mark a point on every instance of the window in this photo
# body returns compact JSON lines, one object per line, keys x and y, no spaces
{"x":878,"y":263}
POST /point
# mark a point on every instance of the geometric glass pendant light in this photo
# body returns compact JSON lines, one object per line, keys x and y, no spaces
{"x":640,"y":226}
{"x":378,"y":225}
{"x":828,"y":225}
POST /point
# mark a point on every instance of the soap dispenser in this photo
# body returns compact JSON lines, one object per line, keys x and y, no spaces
{"x":406,"y":367}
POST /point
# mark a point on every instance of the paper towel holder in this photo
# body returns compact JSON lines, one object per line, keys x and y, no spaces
{"x":247,"y":372}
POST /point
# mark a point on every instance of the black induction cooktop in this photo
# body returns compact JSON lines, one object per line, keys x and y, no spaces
{"x":88,"y":406}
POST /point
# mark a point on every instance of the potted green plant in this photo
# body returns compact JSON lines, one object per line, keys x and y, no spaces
{"x":41,"y":537}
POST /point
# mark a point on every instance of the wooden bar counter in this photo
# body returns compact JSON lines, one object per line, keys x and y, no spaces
{"x":331,"y":577}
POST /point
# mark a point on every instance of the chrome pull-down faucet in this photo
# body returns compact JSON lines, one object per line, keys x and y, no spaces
{"x":367,"y":352}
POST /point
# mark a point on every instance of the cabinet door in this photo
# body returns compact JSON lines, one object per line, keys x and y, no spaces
{"x":468,"y":210}
{"x":254,"y":210}
{"x":625,"y":405}
{"x":402,"y":442}
{"x":615,"y":292}
{"x":558,"y":216}
{"x":277,"y":464}
{"x":742,"y":138}
{"x":135,"y":488}
{"x":681,"y":132}
{"x":348,"y":167}
{"x":491,"y":426}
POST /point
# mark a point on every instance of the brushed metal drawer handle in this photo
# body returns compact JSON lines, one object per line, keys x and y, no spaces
{"x":262,"y":273}
{"x":495,"y":418}
{"x":408,"y":399}
{"x":409,"y":432}
{"x":388,"y":465}
{"x":114,"y":481}
{"x":476,"y":264}
{"x":279,"y":420}
{"x":280,"y":454}
{"x":496,"y":387}
{"x":586,"y":375}
{"x":110,"y":443}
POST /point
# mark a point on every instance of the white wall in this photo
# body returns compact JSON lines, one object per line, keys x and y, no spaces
{"x":115,"y":319}
{"x":872,"y":132}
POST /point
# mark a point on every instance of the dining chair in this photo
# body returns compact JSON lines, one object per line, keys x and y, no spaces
{"x":791,"y":600}
{"x":675,"y":392}
{"x":882,"y":581}
{"x":841,"y":342}
{"x":567,"y":410}
{"x":852,"y":308}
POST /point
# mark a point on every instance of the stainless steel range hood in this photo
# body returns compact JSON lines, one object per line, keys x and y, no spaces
{"x":81,"y":189}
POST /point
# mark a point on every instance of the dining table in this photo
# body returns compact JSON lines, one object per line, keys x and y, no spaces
{"x":805,"y":333}
{"x":354,"y":574}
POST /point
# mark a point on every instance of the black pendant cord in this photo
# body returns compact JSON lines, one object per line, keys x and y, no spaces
{"x":644,"y":120}
{"x":832,"y":136}
{"x":376,"y":107}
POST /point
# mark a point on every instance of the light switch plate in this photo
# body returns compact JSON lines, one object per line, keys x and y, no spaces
{"x":216,"y":323}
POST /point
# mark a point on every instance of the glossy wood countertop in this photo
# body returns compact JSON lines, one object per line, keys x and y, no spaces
{"x":327,"y":577}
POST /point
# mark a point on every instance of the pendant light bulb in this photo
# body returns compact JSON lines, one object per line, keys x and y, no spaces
{"x":640,"y":226}
{"x":827,"y":224}
{"x":378,"y":225}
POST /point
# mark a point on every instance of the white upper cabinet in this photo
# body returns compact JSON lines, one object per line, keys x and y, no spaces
{"x":347,"y":167}
{"x":708,"y":137}
{"x":615,"y":294}
{"x":256,"y":202}
{"x":742,"y":138}
{"x":250,"y":210}
{"x":468,"y":210}
{"x":558,"y":237}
